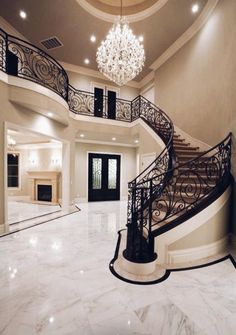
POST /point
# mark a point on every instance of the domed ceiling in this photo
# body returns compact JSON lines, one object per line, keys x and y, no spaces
{"x":129,"y":6}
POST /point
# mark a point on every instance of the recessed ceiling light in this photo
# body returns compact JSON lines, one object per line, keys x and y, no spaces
{"x":195,"y":8}
{"x":136,"y":141}
{"x":93,"y":38}
{"x":50,"y":114}
{"x":51,"y":319}
{"x":86,"y":61}
{"x":23,"y":14}
{"x":81,"y":135}
{"x":141,"y":38}
{"x":113,"y":138}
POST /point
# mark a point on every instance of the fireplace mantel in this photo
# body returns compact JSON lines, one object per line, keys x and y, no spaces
{"x":43,"y":178}
{"x":43,"y":174}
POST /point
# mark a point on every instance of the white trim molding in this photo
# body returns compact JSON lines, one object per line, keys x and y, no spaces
{"x":132,"y":18}
{"x":193,"y":254}
{"x":5,"y":25}
{"x":187,"y":35}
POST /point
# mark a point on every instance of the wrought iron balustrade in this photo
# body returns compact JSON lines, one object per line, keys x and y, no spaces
{"x":33,"y":64}
{"x":159,"y":202}
{"x":139,"y":241}
{"x":24,"y":60}
{"x":3,"y":38}
{"x":82,"y":103}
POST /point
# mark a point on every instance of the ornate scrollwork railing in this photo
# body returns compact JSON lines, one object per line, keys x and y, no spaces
{"x":193,"y":182}
{"x":80,"y":102}
{"x":139,"y":191}
{"x":3,"y":38}
{"x":159,"y":203}
{"x":123,"y":110}
{"x":36,"y":65}
{"x":163,"y":126}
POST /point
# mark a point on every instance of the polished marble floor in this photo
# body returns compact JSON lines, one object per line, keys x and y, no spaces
{"x":20,"y":211}
{"x":55,"y":279}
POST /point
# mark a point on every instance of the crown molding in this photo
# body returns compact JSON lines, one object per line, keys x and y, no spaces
{"x":187,"y":35}
{"x":93,"y":73}
{"x":5,"y":25}
{"x":147,"y":88}
{"x":131,"y":18}
{"x":147,"y":79}
{"x":118,"y":144}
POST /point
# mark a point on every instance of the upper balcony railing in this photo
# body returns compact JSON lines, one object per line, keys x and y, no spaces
{"x":24,"y":60}
{"x":83,"y":103}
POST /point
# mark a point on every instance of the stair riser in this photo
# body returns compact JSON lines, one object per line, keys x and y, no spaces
{"x":182,"y":151}
{"x":188,"y":153}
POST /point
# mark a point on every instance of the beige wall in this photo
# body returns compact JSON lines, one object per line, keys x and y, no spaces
{"x":147,"y":145}
{"x":2,"y":179}
{"x":210,"y":232}
{"x":83,"y":82}
{"x":128,"y":166}
{"x":197,"y":86}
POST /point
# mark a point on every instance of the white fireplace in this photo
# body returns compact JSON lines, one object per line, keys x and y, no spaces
{"x":38,"y":179}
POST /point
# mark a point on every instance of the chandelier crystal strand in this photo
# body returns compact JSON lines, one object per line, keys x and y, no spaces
{"x":120,"y":56}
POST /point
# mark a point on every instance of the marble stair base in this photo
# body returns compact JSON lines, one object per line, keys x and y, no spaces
{"x":161,"y":271}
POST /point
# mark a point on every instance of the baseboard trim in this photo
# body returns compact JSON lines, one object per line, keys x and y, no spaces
{"x":193,"y":254}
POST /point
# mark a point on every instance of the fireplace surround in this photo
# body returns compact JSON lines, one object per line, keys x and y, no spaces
{"x":38,"y":179}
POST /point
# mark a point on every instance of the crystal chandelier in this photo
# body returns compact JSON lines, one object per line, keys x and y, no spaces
{"x":120,"y":56}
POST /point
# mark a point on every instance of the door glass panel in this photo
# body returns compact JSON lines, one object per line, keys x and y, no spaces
{"x":97,"y":173}
{"x":112,"y":172}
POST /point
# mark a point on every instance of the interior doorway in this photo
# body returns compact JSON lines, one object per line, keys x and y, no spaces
{"x":103,"y":177}
{"x":35,"y":178}
{"x":105,"y":101}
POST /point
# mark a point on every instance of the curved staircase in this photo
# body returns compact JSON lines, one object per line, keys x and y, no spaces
{"x":179,"y":184}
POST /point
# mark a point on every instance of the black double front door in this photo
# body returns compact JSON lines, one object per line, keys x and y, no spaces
{"x":104,"y":104}
{"x":104,"y":177}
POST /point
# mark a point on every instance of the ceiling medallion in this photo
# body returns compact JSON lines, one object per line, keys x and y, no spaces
{"x":120,"y":57}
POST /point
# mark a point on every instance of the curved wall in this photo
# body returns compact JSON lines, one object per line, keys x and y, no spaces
{"x":196,"y":87}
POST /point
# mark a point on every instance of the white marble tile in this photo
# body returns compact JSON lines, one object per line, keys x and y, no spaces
{"x":164,"y":318}
{"x":225,"y":327}
{"x":19,"y":211}
{"x":55,"y":279}
{"x":123,"y":324}
{"x":200,"y":307}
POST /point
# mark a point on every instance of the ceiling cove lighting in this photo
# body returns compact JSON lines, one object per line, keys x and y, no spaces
{"x":195,"y":8}
{"x":23,"y":14}
{"x":120,"y":57}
